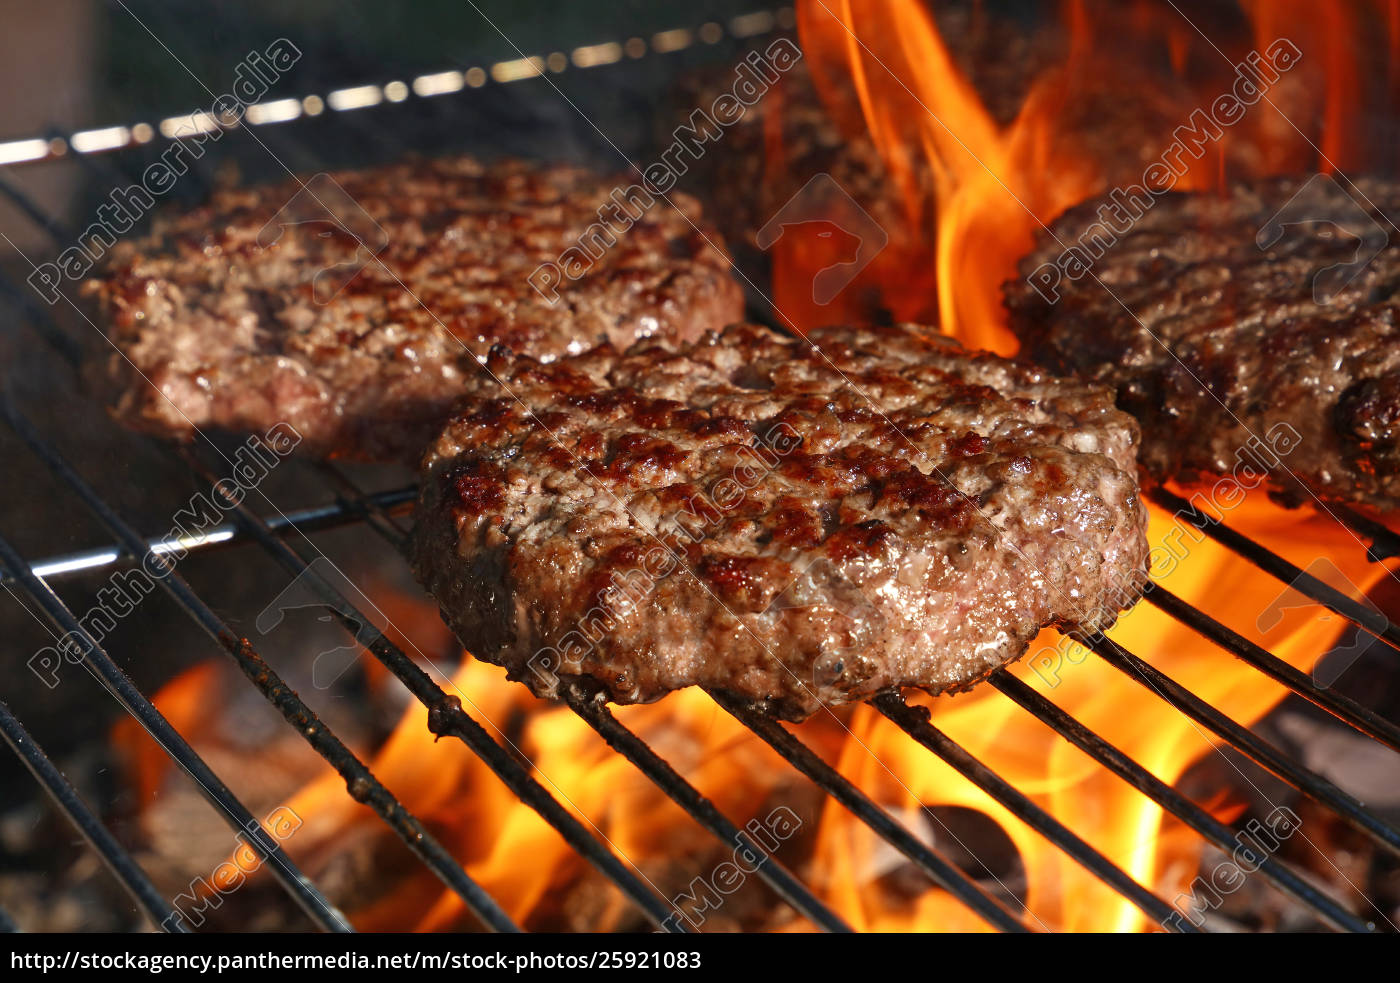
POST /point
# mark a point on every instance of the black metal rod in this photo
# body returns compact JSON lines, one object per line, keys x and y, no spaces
{"x":376,"y":514}
{"x":220,"y":537}
{"x":1345,"y":709}
{"x":66,"y":797}
{"x":1266,"y":755}
{"x":1174,"y":802}
{"x":915,"y":722}
{"x":1271,"y":563}
{"x":360,"y":782}
{"x":1385,"y":542}
{"x":701,"y":809}
{"x":56,"y":230}
{"x":942,"y":871}
{"x":446,"y":718}
{"x":62,"y":342}
{"x":103,"y":167}
{"x":100,"y":664}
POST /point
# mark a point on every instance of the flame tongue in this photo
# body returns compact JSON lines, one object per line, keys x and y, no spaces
{"x":973,"y":188}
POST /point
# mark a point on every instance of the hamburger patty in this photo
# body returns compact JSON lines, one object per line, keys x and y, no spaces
{"x":245,"y":313}
{"x":1297,"y":345}
{"x":798,"y":525}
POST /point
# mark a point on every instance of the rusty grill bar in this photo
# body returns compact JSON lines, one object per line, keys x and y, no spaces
{"x":379,"y":512}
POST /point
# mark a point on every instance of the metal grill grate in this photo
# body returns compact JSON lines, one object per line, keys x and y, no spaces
{"x":379,"y":512}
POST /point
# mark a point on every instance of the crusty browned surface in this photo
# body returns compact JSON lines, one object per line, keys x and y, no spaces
{"x":1187,"y":300}
{"x":229,"y":334}
{"x":788,"y":524}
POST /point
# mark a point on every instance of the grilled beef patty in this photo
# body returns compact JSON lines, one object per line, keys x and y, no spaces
{"x":245,"y":313}
{"x":799,"y":524}
{"x":1214,"y":341}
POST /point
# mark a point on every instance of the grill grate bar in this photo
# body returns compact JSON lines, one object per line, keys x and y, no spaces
{"x":1173,"y":801}
{"x":54,"y":228}
{"x":942,"y":871}
{"x":427,"y":87}
{"x":1385,"y":542}
{"x":376,"y":515}
{"x":447,"y":719}
{"x":96,"y":659}
{"x":222,"y":536}
{"x":66,"y":797}
{"x":62,"y":343}
{"x":98,"y":166}
{"x":1306,"y":781}
{"x":664,"y":777}
{"x":915,"y":722}
{"x":1271,"y":563}
{"x":1345,"y":709}
{"x":360,"y":782}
